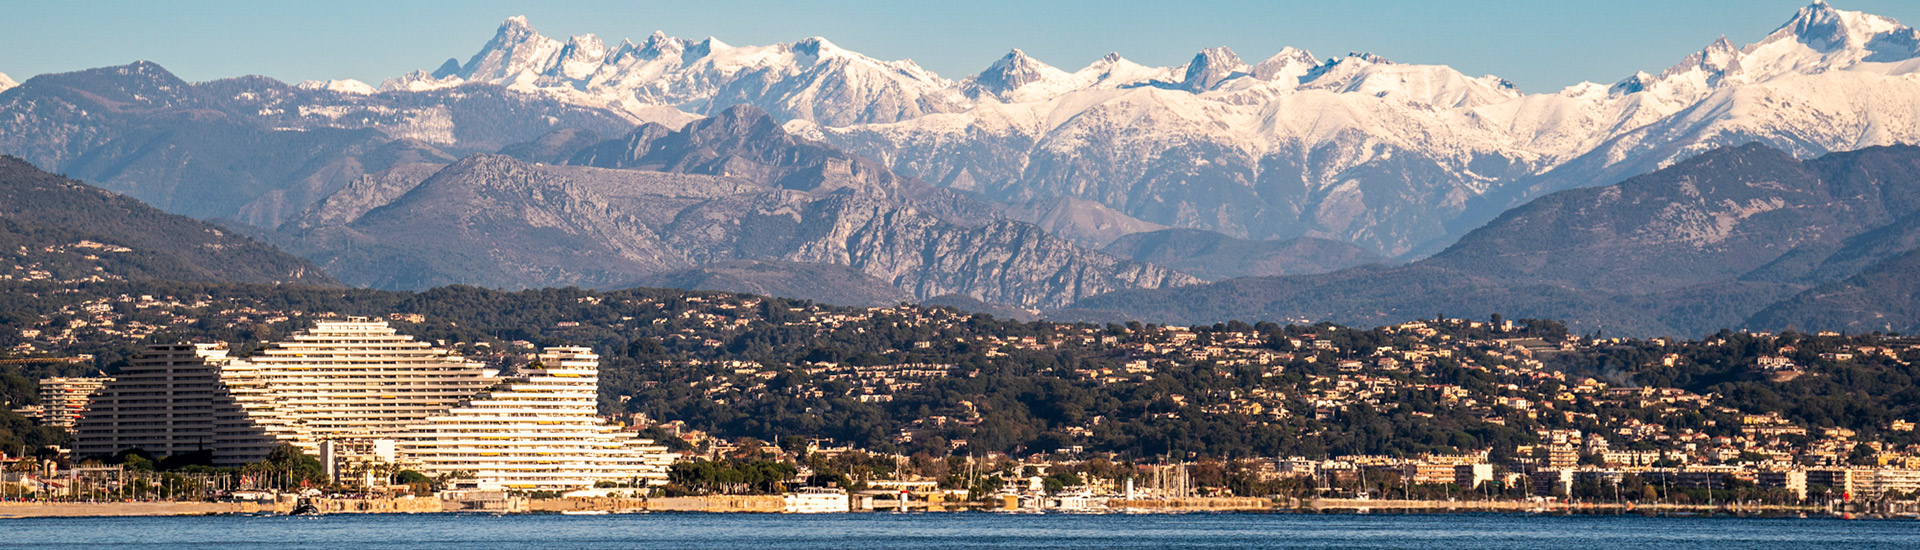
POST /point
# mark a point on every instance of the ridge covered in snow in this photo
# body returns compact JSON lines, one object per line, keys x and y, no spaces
{"x":343,"y":86}
{"x":6,"y":82}
{"x":1400,"y":158}
{"x":810,"y":79}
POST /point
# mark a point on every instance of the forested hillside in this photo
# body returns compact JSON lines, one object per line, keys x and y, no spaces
{"x":68,"y":230}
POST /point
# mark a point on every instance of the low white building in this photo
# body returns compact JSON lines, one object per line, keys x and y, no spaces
{"x":817,"y":500}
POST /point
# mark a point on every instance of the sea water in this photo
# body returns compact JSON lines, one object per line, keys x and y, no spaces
{"x":953,"y":530}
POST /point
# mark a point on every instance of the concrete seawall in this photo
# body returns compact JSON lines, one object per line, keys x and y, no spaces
{"x":1196,"y":504}
{"x":618,"y":505}
{"x":324,"y":505}
{"x":425,"y":505}
{"x":770,"y":504}
{"x":79,"y":509}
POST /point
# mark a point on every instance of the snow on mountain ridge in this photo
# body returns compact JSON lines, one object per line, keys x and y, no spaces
{"x":1350,"y":144}
{"x":344,"y":86}
{"x":508,"y":58}
{"x":1290,"y":64}
{"x":1011,"y":73}
{"x":1211,"y":67}
{"x":1821,"y":26}
{"x":6,"y":82}
{"x":1340,"y":123}
{"x":810,"y":79}
{"x":1818,"y":83}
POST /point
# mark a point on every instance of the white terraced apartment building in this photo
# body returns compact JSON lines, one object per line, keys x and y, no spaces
{"x":354,"y":379}
{"x":63,"y":399}
{"x":537,"y":431}
{"x":356,"y":382}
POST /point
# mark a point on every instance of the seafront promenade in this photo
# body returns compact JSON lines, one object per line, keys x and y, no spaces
{"x":715,"y":504}
{"x":774,"y":504}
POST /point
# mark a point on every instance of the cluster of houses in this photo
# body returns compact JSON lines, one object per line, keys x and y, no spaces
{"x":1591,"y":425}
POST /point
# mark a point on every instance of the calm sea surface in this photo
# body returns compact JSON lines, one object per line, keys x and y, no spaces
{"x":967,"y":530}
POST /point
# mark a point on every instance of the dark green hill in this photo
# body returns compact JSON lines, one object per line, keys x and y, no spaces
{"x":1884,"y":297}
{"x":825,"y":283}
{"x":70,"y":230}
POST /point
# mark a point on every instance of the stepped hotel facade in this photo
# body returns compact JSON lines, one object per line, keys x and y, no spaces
{"x":364,"y":398}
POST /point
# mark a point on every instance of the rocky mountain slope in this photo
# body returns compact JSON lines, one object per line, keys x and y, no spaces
{"x":746,"y":143}
{"x":1695,"y":247}
{"x":730,"y":188}
{"x":56,"y":228}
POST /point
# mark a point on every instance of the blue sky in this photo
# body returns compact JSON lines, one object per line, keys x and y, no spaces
{"x":1539,"y":45}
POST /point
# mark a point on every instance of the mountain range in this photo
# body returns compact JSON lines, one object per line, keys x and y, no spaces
{"x":725,"y":189}
{"x":1349,"y":188}
{"x":1399,"y":159}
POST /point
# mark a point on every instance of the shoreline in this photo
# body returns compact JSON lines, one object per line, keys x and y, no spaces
{"x":771,"y":504}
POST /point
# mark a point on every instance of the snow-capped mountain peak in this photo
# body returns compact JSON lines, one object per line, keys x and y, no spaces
{"x":812,"y":50}
{"x":449,"y":68}
{"x":1817,"y":39}
{"x":810,"y":79}
{"x":343,"y":86}
{"x":1714,"y":61}
{"x":1822,"y":27}
{"x":1107,"y":64}
{"x":1112,"y":71}
{"x":516,"y":54}
{"x":581,"y":56}
{"x":1210,"y":67}
{"x":6,"y":82}
{"x":660,"y":45}
{"x":701,"y":49}
{"x":1433,"y":85}
{"x":516,"y":24}
{"x":1632,"y":84}
{"x":1369,"y":57}
{"x":1012,"y":72}
{"x":1290,"y":64}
